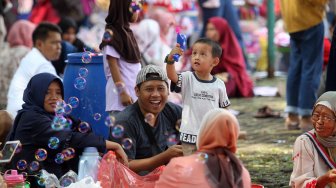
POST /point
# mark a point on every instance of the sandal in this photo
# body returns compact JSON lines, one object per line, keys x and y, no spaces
{"x":267,"y":112}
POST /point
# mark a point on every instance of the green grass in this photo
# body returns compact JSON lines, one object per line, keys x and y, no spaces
{"x":267,"y":150}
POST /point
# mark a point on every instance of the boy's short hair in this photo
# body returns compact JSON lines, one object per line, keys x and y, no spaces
{"x":41,"y":32}
{"x":216,"y":48}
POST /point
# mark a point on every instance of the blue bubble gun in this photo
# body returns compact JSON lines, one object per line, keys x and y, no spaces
{"x":182,"y":40}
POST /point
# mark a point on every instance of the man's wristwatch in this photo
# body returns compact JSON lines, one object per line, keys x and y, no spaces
{"x":169,"y":62}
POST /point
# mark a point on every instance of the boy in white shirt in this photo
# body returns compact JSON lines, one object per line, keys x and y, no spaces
{"x":200,"y":90}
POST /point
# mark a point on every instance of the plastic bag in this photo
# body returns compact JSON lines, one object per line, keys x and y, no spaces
{"x":113,"y":174}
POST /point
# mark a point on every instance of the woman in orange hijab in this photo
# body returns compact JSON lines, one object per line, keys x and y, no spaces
{"x":215,"y":163}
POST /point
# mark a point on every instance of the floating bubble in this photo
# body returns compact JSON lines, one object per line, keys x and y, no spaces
{"x":97,"y":116}
{"x":67,"y":109}
{"x":66,"y":181}
{"x":109,"y":121}
{"x":74,"y":102}
{"x":41,"y":181}
{"x":25,"y":175}
{"x":68,"y":153}
{"x":117,"y":131}
{"x":83,"y":127}
{"x":86,"y":57}
{"x":127,"y":143}
{"x":34,"y":166}
{"x":18,"y":149}
{"x":68,"y":124}
{"x":21,"y":164}
{"x":149,"y":118}
{"x":107,"y":37}
{"x":178,"y":124}
{"x":41,"y":154}
{"x":53,"y":142}
{"x":83,"y":72}
{"x":80,"y":83}
{"x":58,"y":123}
{"x":202,"y":157}
{"x":172,"y":140}
{"x":59,"y":159}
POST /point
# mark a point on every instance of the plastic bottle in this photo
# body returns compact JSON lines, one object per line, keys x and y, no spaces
{"x":88,"y":163}
{"x":182,"y":40}
{"x":14,"y":180}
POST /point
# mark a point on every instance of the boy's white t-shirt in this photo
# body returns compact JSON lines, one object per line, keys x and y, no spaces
{"x":198,"y":96}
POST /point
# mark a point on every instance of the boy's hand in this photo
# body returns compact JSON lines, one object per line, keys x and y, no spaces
{"x":176,"y":50}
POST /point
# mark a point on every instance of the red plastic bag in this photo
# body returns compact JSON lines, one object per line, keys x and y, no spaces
{"x":113,"y":174}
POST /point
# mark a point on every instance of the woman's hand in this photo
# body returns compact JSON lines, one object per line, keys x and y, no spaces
{"x":120,"y":153}
{"x":329,"y":177}
{"x":125,"y":98}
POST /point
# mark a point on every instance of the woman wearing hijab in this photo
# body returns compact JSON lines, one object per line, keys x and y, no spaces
{"x":153,"y":50}
{"x":232,"y":67}
{"x":121,"y":55}
{"x":215,"y":164}
{"x":33,"y":127}
{"x":314,"y":154}
{"x":19,"y":43}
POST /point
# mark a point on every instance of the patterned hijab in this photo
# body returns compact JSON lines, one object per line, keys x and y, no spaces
{"x":218,"y":137}
{"x":118,"y":21}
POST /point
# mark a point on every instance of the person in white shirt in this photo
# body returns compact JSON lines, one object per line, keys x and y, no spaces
{"x":47,"y":47}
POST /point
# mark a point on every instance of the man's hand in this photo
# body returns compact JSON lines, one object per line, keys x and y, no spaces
{"x":174,"y":151}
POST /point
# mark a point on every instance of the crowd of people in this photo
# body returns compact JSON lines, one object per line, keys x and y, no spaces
{"x":171,"y":103}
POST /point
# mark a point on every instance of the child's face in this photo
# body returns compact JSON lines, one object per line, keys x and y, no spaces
{"x":202,"y":60}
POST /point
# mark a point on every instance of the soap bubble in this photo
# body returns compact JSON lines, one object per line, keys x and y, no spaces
{"x":107,"y":37}
{"x":83,"y":72}
{"x":34,"y":166}
{"x":97,"y":116}
{"x":202,"y":157}
{"x":172,"y":140}
{"x":68,"y":124}
{"x":83,"y":127}
{"x":127,"y":143}
{"x":58,"y":123}
{"x":59,"y":159}
{"x":24,"y":174}
{"x":178,"y":124}
{"x":109,"y":121}
{"x":74,"y":102}
{"x":41,"y":181}
{"x":66,"y":181}
{"x":41,"y":154}
{"x":68,"y":153}
{"x":80,"y":83}
{"x":53,"y":142}
{"x":21,"y":164}
{"x":86,"y":57}
{"x":117,"y":131}
{"x":149,"y":117}
{"x":67,"y":109}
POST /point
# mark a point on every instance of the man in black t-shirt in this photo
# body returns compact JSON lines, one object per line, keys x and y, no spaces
{"x":149,"y":124}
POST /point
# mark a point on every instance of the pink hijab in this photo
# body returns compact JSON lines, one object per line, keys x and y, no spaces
{"x":20,"y":34}
{"x":232,"y":58}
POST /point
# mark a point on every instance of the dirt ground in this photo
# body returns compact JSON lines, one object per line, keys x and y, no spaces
{"x":266,"y":152}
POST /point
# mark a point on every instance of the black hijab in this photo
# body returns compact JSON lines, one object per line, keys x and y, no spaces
{"x":33,"y":97}
{"x":123,"y":39}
